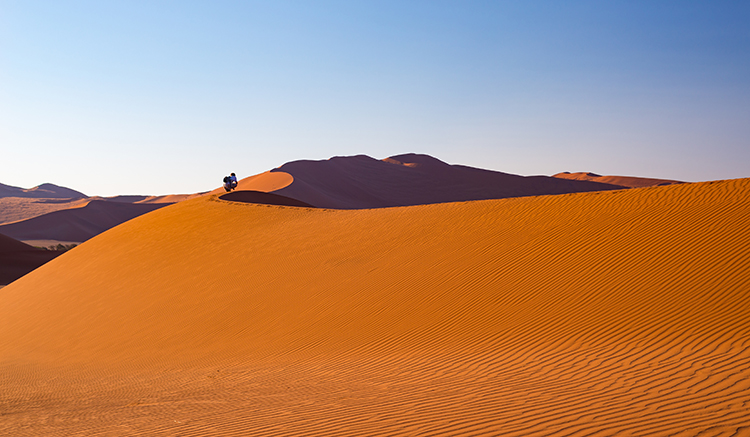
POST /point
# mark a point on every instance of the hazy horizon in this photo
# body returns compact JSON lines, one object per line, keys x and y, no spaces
{"x":161,"y":98}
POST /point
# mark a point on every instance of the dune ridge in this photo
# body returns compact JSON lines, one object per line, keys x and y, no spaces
{"x":592,"y":313}
{"x":624,"y":181}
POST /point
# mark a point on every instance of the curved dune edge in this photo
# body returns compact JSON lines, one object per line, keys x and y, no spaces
{"x":262,"y":198}
{"x":597,"y":313}
{"x":266,"y":182}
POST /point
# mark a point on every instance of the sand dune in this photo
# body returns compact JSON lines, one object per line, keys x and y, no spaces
{"x":169,"y":198}
{"x":47,"y":191}
{"x":265,"y":182}
{"x":13,"y":209}
{"x":622,"y":312}
{"x":625,"y":181}
{"x":18,"y":259}
{"x":356,"y":182}
{"x":76,"y":224}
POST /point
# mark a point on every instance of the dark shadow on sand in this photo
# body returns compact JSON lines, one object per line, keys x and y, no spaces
{"x":260,"y":197}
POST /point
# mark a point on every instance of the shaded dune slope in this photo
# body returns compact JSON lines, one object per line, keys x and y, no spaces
{"x":625,"y":181}
{"x":356,"y":182}
{"x":18,"y":259}
{"x":584,"y":314}
{"x":78,"y":223}
{"x":260,"y":197}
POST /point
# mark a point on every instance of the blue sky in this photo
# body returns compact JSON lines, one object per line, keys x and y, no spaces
{"x":157,"y":97}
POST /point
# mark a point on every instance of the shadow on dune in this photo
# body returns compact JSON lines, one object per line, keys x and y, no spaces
{"x":260,"y":197}
{"x":18,"y":259}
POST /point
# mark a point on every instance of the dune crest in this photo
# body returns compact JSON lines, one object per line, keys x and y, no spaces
{"x":266,"y":182}
{"x":622,"y":312}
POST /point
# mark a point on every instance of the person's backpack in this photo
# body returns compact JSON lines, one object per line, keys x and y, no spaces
{"x":226,"y":179}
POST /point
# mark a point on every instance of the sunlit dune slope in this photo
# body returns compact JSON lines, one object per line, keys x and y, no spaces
{"x":18,"y":259}
{"x":78,"y":223}
{"x":623,"y":312}
{"x":354,"y":182}
{"x":625,"y":181}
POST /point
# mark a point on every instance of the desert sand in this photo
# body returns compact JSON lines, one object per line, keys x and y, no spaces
{"x":624,"y":181}
{"x":621,"y":312}
{"x":13,"y":209}
{"x":77,"y":223}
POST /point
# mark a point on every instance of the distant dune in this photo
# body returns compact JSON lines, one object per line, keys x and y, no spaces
{"x":48,"y":191}
{"x":18,"y":259}
{"x":14,"y":209}
{"x":625,"y":181}
{"x":356,"y":182}
{"x":170,"y":198}
{"x":76,"y":224}
{"x":609,"y":313}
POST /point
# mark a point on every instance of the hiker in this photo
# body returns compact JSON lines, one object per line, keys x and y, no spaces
{"x":230,"y":182}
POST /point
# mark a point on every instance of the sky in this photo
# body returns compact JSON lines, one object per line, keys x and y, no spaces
{"x":164,"y":97}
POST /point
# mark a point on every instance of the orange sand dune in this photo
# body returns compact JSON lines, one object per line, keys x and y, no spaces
{"x":18,"y":259}
{"x":266,"y":182}
{"x":624,"y":312}
{"x":78,"y":223}
{"x":625,"y":181}
{"x":356,"y":182}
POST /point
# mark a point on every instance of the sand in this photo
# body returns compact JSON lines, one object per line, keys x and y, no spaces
{"x":621,"y":312}
{"x":13,"y":209}
{"x":624,"y":181}
{"x":78,"y":223}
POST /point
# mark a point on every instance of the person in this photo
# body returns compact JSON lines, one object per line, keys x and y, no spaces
{"x":230,"y":182}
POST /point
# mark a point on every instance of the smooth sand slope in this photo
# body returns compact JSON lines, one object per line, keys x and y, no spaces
{"x":78,"y":223}
{"x":624,"y":181}
{"x":18,"y":259}
{"x":623,"y":312}
{"x":357,"y":182}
